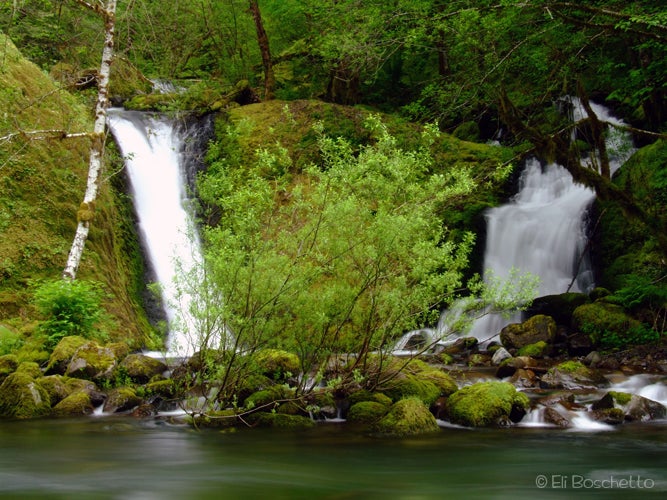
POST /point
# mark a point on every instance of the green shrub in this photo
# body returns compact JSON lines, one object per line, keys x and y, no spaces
{"x":70,"y":307}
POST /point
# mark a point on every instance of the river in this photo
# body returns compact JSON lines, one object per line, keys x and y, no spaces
{"x":125,"y":458}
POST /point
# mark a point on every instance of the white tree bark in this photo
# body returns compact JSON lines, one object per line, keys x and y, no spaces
{"x":84,"y":215}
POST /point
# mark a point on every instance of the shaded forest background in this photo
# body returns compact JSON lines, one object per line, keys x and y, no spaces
{"x":480,"y":70}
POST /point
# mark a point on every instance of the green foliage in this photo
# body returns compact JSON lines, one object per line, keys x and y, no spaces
{"x":344,"y":261}
{"x":70,"y":307}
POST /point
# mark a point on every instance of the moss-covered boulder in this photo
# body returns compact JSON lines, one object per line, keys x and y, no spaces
{"x":59,"y":387}
{"x":92,"y":361}
{"x":365,"y":395}
{"x":76,"y":404}
{"x":140,"y":368}
{"x":277,"y":364}
{"x":31,"y":368}
{"x":539,"y":328}
{"x":418,"y":379}
{"x":366,"y":412}
{"x":8,"y":364}
{"x":407,"y":417}
{"x":487,"y":404}
{"x":269,"y":399}
{"x":22,"y":397}
{"x":632,"y":406}
{"x":573,"y":375}
{"x":166,"y":388}
{"x":62,"y":354}
{"x":537,"y":350}
{"x":605,"y":323}
{"x":121,"y":399}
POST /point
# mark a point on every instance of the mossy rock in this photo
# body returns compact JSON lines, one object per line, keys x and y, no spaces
{"x":8,"y":364}
{"x":31,"y":368}
{"x":268,"y":399}
{"x":59,"y":387}
{"x":92,"y":361}
{"x":166,"y":388}
{"x":536,"y":329}
{"x":632,"y":406}
{"x":602,"y":320}
{"x":277,"y":364}
{"x":537,"y":350}
{"x":22,"y":397}
{"x":122,"y":399}
{"x":62,"y":354}
{"x":487,"y":404}
{"x":366,"y":412}
{"x":572,"y":375}
{"x":419,"y":379}
{"x":76,"y":404}
{"x":406,"y":385}
{"x":280,"y":421}
{"x":140,"y":368}
{"x":407,"y":417}
{"x":365,"y":395}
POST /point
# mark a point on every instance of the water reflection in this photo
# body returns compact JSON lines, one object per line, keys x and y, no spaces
{"x":128,"y":459}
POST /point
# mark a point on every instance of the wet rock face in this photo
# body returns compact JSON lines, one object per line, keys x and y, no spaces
{"x":573,"y":375}
{"x":631,"y":407}
{"x":539,"y":328}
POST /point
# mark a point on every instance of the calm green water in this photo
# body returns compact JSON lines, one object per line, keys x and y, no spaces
{"x":130,"y":459}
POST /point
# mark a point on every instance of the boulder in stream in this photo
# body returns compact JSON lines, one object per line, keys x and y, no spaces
{"x":540,"y":328}
{"x":487,"y":404}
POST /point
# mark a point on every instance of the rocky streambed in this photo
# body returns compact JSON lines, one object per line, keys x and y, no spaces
{"x":462,"y":385}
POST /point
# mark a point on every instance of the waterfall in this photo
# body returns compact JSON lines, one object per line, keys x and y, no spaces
{"x":152,"y":150}
{"x":542,"y":229}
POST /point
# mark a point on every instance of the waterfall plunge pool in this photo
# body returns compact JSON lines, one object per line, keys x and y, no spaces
{"x":115,"y":458}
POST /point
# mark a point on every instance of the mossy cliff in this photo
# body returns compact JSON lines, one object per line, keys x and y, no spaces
{"x":42,"y":182}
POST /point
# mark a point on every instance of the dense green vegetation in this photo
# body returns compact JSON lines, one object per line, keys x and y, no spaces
{"x":343,"y":198}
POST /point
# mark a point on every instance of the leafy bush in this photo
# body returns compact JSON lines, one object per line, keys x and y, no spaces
{"x":71,"y":307}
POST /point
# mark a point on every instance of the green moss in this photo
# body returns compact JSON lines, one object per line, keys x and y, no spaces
{"x":536,"y":350}
{"x":366,"y":412}
{"x":606,"y":324}
{"x":407,"y":417}
{"x":31,"y":368}
{"x":406,"y":385}
{"x":621,"y":398}
{"x":572,"y":366}
{"x":364,"y":395}
{"x":76,"y":404}
{"x":277,"y":364}
{"x":63,"y":352}
{"x":268,"y":399}
{"x":483,"y":404}
{"x":8,"y":364}
{"x":22,"y":397}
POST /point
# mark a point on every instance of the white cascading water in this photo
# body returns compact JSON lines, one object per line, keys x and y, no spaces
{"x":151,"y":149}
{"x":542,"y":230}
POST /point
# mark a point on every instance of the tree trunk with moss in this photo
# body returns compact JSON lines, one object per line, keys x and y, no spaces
{"x":86,"y":211}
{"x":263,"y":41}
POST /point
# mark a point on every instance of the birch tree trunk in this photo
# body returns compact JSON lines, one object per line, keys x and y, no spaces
{"x":85,"y":213}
